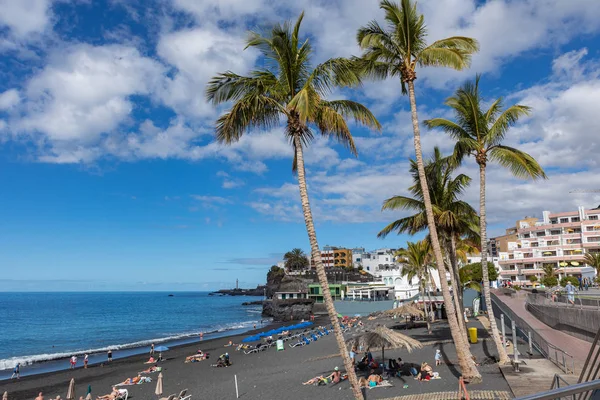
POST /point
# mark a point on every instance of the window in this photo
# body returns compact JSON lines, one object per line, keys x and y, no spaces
{"x":528,"y":255}
{"x":575,"y":219}
{"x":554,"y":221}
{"x":589,"y":228}
{"x":555,"y":232}
{"x":535,"y":244}
{"x":541,"y":233}
{"x":513,"y":278}
{"x":593,"y":217}
{"x":564,"y":220}
{"x":552,"y":243}
{"x":593,"y":239}
{"x":526,"y":235}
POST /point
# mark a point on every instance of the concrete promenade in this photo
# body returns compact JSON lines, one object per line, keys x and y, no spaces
{"x":577,"y":348}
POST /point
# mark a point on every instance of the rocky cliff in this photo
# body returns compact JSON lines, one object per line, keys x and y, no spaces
{"x":288,"y":310}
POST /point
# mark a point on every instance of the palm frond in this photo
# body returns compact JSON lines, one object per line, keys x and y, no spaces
{"x":352,"y":109}
{"x":335,"y":72}
{"x":520,"y":164}
{"x":246,"y":113}
{"x":229,"y":86}
{"x":504,"y":121}
{"x":453,"y":52}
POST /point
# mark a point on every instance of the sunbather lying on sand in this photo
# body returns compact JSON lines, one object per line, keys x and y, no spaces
{"x":135,"y":381}
{"x":229,"y":344}
{"x":335,"y":377}
{"x":111,"y":396}
{"x":151,"y":360}
{"x":196,"y":357}
{"x":152,"y":369}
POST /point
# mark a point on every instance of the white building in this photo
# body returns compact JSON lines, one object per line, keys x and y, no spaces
{"x":560,"y":240}
{"x":290,"y":295}
{"x":373,"y":261}
{"x":472,"y":258}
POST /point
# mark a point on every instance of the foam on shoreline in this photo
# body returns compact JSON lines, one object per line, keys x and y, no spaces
{"x":9,"y":363}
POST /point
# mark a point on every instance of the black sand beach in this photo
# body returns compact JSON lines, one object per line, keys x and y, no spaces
{"x":266,"y":375}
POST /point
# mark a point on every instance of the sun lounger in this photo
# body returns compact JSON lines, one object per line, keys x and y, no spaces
{"x":171,"y":397}
{"x":183,"y":395}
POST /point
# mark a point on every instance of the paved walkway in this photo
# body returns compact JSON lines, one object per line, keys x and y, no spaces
{"x":475,"y":394}
{"x":577,"y":348}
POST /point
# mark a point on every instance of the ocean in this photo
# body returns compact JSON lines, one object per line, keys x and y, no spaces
{"x":41,"y":330}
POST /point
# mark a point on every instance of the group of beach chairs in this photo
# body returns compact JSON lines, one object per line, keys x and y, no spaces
{"x":182,"y":396}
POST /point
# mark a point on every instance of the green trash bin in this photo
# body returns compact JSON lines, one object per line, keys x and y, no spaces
{"x":473,"y":335}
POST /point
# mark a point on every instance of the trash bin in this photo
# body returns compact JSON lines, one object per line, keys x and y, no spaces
{"x":473,"y":335}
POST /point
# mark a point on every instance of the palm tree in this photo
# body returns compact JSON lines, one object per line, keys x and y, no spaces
{"x":480,"y":134}
{"x":417,"y":262}
{"x":295,"y":260}
{"x":453,"y":217}
{"x":396,"y":52}
{"x":593,"y":260}
{"x":289,"y":88}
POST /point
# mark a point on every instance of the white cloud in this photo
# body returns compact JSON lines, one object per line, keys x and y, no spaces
{"x":211,"y":199}
{"x":9,"y":99}
{"x":84,"y":92}
{"x":197,"y":55}
{"x":25,"y":17}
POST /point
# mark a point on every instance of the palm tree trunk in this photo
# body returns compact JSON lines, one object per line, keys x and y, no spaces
{"x":457,"y":287}
{"x":431,"y":312}
{"x":314,"y":247}
{"x":465,"y":358}
{"x":484,"y":271}
{"x":425,"y":305}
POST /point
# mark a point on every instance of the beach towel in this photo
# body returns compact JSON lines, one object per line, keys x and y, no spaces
{"x":380,"y":384}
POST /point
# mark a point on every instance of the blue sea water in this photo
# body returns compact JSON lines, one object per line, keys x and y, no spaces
{"x":39,"y":327}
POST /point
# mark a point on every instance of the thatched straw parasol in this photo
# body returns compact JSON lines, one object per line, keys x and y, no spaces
{"x":406,"y":309}
{"x":383,"y":337}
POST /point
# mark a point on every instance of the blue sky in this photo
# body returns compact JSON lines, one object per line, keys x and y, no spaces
{"x":110,"y":178}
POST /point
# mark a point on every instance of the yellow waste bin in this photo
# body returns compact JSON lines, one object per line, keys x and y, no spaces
{"x":473,"y":335}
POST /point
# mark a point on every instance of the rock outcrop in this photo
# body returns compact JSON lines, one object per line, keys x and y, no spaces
{"x":288,"y":310}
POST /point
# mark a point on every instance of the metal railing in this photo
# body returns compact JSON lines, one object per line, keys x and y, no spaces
{"x":578,"y":390}
{"x":559,"y":357}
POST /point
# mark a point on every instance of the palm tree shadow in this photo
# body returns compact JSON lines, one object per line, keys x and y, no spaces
{"x":449,"y":364}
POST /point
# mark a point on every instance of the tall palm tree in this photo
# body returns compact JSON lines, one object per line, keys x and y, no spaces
{"x":290,"y":88}
{"x":480,"y":134}
{"x":453,"y":217}
{"x":396,"y":51}
{"x":295,"y":260}
{"x":416,"y":264}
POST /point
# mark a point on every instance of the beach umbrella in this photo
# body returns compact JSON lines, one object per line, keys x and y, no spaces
{"x":89,"y":389}
{"x":71,"y":391}
{"x":406,"y":309}
{"x":563,"y":264}
{"x":5,"y":396}
{"x":574,"y":263}
{"x":383,"y":337}
{"x":159,"y":389}
{"x":161,"y":348}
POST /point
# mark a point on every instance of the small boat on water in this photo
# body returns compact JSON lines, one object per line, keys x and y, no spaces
{"x":170,"y":295}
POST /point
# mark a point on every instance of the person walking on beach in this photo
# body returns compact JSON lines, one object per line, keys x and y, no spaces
{"x":85,"y":361}
{"x":438,"y":357}
{"x":16,"y":371}
{"x":152,"y":349}
{"x":109,"y":355}
{"x":570,"y":293}
{"x":73,"y":362}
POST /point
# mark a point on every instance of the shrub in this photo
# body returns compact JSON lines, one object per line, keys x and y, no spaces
{"x":574,"y":281}
{"x":550,"y":281}
{"x":533,"y":278}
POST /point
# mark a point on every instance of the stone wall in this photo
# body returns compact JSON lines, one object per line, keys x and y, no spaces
{"x":582,"y":323}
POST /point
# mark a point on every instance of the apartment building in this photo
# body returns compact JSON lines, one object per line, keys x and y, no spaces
{"x":332,"y":256}
{"x":559,"y":239}
{"x":499,"y":244}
